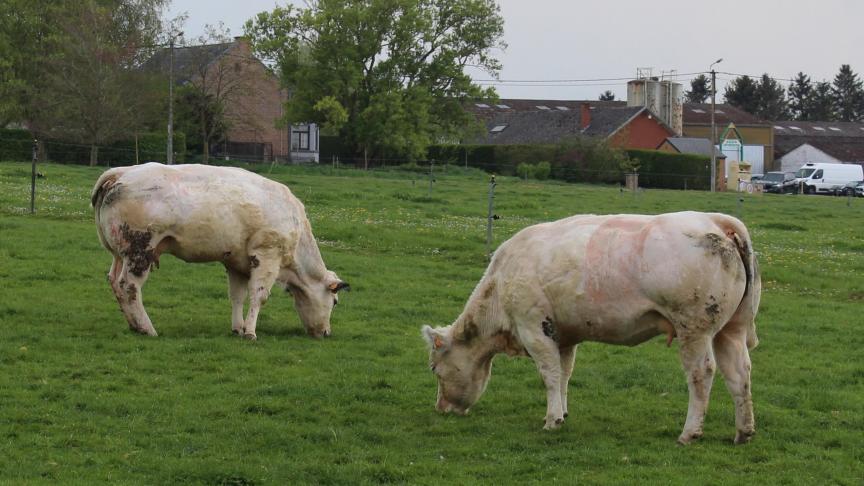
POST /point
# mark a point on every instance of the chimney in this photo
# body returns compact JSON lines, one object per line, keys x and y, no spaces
{"x":585,"y":118}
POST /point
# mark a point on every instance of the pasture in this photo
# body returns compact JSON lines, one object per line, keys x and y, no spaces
{"x":83,"y":400}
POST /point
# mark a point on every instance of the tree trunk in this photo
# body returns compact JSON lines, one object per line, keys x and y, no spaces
{"x":206,"y":154}
{"x":94,"y":154}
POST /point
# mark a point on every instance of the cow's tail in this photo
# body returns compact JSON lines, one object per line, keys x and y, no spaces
{"x":104,"y":184}
{"x":749,"y":306}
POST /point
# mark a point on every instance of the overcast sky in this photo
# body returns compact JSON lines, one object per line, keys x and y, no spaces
{"x":552,"y":40}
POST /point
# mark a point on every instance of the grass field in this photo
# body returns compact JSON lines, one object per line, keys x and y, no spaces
{"x":83,"y":400}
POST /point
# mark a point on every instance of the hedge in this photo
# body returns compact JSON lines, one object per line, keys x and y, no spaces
{"x":18,"y":145}
{"x":669,"y":170}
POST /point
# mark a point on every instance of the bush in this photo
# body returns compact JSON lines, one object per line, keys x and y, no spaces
{"x":669,"y":170}
{"x":151,"y":148}
{"x":542,"y":171}
{"x":524,"y":170}
{"x":15,"y":144}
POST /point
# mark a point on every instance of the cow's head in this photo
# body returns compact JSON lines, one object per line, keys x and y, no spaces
{"x":462,"y":365}
{"x":315,"y":302}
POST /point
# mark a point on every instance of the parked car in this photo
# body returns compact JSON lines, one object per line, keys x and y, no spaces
{"x":779,"y":182}
{"x":827,"y":178}
{"x":855,"y":188}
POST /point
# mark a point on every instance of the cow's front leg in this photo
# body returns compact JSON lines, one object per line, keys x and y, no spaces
{"x":568,"y":356}
{"x":237,"y":291}
{"x":544,"y":350}
{"x":697,"y":358}
{"x":264,"y":270}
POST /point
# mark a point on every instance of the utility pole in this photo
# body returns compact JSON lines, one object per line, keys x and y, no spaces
{"x":170,"y":148}
{"x":713,"y":126}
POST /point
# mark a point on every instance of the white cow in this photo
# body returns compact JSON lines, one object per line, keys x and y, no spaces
{"x":200,"y":213}
{"x":614,"y":279}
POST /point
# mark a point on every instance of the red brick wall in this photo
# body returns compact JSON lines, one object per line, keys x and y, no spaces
{"x":253,"y":109}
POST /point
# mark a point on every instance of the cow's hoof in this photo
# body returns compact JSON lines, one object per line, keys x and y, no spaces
{"x":744,"y":436}
{"x":687,"y":439}
{"x":250,"y":337}
{"x":552,"y":424}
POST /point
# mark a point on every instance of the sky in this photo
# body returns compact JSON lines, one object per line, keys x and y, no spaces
{"x":562,"y":43}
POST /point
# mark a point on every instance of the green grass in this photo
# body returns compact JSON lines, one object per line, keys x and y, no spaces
{"x":83,"y":400}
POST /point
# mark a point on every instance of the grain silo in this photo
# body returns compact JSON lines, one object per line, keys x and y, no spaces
{"x":665,"y":98}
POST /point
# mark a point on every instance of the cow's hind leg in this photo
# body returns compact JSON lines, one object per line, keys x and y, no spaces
{"x":697,"y":358}
{"x":568,"y":356}
{"x":264,"y":270}
{"x":237,"y":291}
{"x":132,"y":279}
{"x":733,"y":358}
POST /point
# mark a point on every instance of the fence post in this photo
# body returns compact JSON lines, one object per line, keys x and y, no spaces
{"x":33,"y":177}
{"x":431,"y":177}
{"x":740,"y":203}
{"x":490,"y":217}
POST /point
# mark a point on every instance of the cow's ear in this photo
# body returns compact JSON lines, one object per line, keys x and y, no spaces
{"x":434,"y":338}
{"x":339,"y":285}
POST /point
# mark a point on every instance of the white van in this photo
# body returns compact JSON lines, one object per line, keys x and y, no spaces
{"x":827,"y":178}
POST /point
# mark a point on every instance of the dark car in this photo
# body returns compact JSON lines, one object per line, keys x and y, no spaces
{"x":779,"y":183}
{"x":854,"y":188}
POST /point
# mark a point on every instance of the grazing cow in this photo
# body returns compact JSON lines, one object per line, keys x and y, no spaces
{"x":200,"y":213}
{"x":614,"y":279}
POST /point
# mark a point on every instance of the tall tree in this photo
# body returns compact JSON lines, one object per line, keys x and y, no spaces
{"x":607,"y":96}
{"x":216,"y":86}
{"x":848,"y":95}
{"x":699,"y":90}
{"x":800,"y":92}
{"x":396,"y":68}
{"x":94,"y":93}
{"x":742,"y":93}
{"x":771,"y":96}
{"x":821,"y":103}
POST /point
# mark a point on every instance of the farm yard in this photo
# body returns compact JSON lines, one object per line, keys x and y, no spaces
{"x":84,"y":400}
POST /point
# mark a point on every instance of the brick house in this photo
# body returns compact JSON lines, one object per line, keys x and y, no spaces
{"x":252,"y":97}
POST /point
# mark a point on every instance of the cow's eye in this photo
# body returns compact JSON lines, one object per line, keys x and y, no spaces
{"x":432,"y":367}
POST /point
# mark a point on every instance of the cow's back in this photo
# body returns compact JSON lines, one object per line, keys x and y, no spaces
{"x":206,"y":211}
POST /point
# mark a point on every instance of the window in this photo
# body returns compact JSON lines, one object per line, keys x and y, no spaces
{"x":778,"y":127}
{"x":300,"y":137}
{"x":819,"y":128}
{"x":503,"y":107}
{"x":835,"y":129}
{"x":697,"y":110}
{"x":498,"y":128}
{"x":543,"y":107}
{"x":720,"y":112}
{"x":818,"y":174}
{"x":481,"y":105}
{"x":795,"y":128}
{"x":562,"y":108}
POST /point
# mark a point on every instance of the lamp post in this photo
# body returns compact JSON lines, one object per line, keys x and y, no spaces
{"x":170,"y":147}
{"x":713,"y":126}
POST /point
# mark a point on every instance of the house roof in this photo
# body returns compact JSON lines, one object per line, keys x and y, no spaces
{"x":690,"y":145}
{"x":843,"y":149}
{"x":511,"y":126}
{"x":486,"y":110}
{"x":724,"y":114}
{"x":799,"y":129}
{"x":187,"y":60}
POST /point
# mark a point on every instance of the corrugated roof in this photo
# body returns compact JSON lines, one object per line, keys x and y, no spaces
{"x":818,"y":129}
{"x":700,"y":114}
{"x":691,"y":145}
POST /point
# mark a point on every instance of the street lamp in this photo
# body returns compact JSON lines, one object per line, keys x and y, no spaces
{"x":170,"y":147}
{"x":713,"y":126}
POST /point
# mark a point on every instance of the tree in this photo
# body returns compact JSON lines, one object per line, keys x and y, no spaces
{"x":607,"y":96}
{"x":396,"y":67}
{"x":821,"y":103}
{"x":699,"y":90}
{"x":94,"y":92}
{"x":771,"y":100}
{"x":848,"y":95}
{"x":741,"y":93}
{"x":800,"y":93}
{"x":216,"y":88}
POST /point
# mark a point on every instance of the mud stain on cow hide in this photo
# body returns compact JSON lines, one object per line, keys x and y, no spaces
{"x":253,"y":261}
{"x":549,"y":329}
{"x":719,"y":246}
{"x":138,"y":253}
